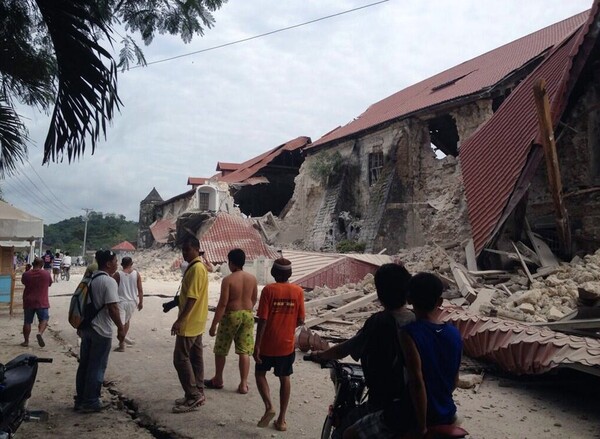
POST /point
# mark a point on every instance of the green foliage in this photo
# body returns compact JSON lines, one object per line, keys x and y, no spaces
{"x":328,"y":168}
{"x":104,"y":231}
{"x":349,"y":246}
{"x":54,"y":58}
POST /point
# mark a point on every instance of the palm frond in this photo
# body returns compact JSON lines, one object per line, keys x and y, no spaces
{"x":13,"y":138}
{"x":87,"y":88}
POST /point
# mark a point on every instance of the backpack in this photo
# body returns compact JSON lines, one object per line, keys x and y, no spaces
{"x":82,"y":309}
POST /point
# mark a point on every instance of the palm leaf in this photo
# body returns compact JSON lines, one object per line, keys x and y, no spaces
{"x":87,"y":79}
{"x":13,"y":138}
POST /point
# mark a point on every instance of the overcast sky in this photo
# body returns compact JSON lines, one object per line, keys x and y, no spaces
{"x":180,"y":117}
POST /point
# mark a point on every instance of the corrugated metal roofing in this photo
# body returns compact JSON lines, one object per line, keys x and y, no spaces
{"x":469,"y":78}
{"x":519,"y":348}
{"x":228,"y":232}
{"x":197,"y":181}
{"x":250,"y":167}
{"x":224,"y":166}
{"x":493,"y":158}
{"x":161,"y":229}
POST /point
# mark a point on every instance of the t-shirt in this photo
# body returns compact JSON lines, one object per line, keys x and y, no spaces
{"x":104,"y":291}
{"x":128,"y":286}
{"x":56,"y":262}
{"x":47,"y":261}
{"x":194,"y":286}
{"x":66,"y":261}
{"x":377,"y":347}
{"x":281,"y":305}
{"x":440,"y":349}
{"x":35,"y":294}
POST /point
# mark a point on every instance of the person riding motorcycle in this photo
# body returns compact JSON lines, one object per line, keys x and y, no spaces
{"x":376,"y":345}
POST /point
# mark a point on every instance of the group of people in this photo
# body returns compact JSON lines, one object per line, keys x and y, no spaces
{"x":410,"y":359}
{"x":55,"y":263}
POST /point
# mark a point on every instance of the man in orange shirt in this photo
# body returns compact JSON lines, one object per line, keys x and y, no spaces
{"x":280,"y":311}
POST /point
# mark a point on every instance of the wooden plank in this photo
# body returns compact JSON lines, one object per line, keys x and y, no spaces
{"x":339,"y":322}
{"x":322,"y":301}
{"x":509,"y":255}
{"x":358,"y":303}
{"x":462,"y":282}
{"x":484,"y":273}
{"x":505,"y":288}
{"x":571,"y":324}
{"x":471,"y":257}
{"x":523,"y":264}
{"x":547,"y":258}
{"x":545,"y":271}
{"x":529,"y":253}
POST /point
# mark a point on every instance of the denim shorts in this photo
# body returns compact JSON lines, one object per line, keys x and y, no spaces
{"x":282,"y":366}
{"x":42,"y":315}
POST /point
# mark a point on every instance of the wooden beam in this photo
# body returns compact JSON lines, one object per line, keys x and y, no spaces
{"x":358,"y":303}
{"x":322,"y":301}
{"x":471,"y":257}
{"x":462,"y":282}
{"x":523,"y":264}
{"x":552,"y":168}
{"x":545,"y":255}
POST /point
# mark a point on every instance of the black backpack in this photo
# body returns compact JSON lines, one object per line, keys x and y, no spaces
{"x":89,"y":309}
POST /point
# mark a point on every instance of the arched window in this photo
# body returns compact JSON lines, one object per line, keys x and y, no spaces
{"x":207,"y":198}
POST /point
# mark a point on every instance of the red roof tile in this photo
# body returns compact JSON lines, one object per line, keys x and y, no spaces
{"x":161,"y":230}
{"x":472,"y":77}
{"x":224,"y":166}
{"x":228,"y":232}
{"x":124,"y":246}
{"x":197,"y":181}
{"x":493,"y":158}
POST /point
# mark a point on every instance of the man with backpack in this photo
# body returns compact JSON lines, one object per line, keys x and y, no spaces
{"x":96,"y":332}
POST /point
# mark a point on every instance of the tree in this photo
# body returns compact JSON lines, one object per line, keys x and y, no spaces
{"x":53,"y":57}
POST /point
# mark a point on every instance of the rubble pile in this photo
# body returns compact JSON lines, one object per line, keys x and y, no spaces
{"x":552,"y":298}
{"x":432,"y":258}
{"x":161,"y":264}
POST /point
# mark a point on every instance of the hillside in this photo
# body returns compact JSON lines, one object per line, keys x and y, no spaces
{"x":104,"y":231}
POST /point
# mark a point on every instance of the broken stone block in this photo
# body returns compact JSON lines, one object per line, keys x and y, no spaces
{"x":589,"y":291}
{"x":469,"y":381}
{"x":527,"y":308}
{"x":531,"y":296}
{"x":554,"y":314}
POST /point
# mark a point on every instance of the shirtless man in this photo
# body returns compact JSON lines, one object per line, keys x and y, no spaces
{"x":235,"y":320}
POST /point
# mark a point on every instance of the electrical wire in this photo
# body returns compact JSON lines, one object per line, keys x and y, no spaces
{"x":48,"y":187}
{"x":283,"y":29}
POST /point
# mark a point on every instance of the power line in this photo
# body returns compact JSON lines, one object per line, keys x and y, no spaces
{"x":220,"y":46}
{"x":48,"y":187}
{"x":28,"y":197}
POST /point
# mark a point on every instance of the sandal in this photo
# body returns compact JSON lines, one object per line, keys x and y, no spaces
{"x":210,"y":384}
{"x":280,"y":426}
{"x":264,"y":421}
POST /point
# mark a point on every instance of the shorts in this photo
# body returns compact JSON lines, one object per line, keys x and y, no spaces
{"x":235,"y":326}
{"x":126,"y":309}
{"x":282,"y":366}
{"x":42,"y":315}
{"x":56,"y":270}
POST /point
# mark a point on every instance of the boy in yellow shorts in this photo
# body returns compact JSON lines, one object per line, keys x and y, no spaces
{"x":235,"y":320}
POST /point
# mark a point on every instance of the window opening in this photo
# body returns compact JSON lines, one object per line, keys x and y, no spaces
{"x":375,"y":166}
{"x":203,"y":199}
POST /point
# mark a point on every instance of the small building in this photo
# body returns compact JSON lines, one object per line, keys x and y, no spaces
{"x":123,"y":249}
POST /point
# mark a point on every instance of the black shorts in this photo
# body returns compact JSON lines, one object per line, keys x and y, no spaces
{"x":282,"y":366}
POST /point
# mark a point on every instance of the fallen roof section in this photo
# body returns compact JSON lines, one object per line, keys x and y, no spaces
{"x":161,"y":230}
{"x":499,"y":159}
{"x":522,"y":349}
{"x":124,"y":246}
{"x":473,"y":77}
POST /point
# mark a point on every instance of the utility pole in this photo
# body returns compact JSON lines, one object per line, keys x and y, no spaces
{"x":87,"y":216}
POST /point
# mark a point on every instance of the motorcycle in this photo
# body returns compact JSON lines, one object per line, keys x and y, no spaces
{"x":17,"y":378}
{"x":350,"y":391}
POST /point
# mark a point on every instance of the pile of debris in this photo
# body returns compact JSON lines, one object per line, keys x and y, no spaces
{"x":161,"y":264}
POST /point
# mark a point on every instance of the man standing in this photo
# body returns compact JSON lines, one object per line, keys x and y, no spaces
{"x":235,"y":320}
{"x":280,"y":311}
{"x":66,"y":265}
{"x":35,"y":300}
{"x":96,"y":337}
{"x":189,"y":327}
{"x":131,"y":295}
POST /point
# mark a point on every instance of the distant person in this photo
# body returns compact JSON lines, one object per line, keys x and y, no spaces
{"x":96,"y":339}
{"x":47,"y":258}
{"x":131,"y":295}
{"x":66,"y":264}
{"x":28,"y":266}
{"x":432,"y":352}
{"x":56,"y":262}
{"x":235,"y":320}
{"x":189,"y":327}
{"x":35,"y":300}
{"x":280,"y":311}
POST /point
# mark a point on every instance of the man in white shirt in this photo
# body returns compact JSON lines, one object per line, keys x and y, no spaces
{"x":131,"y":295}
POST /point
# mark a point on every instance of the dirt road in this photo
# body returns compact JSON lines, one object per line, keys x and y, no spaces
{"x":144,"y":385}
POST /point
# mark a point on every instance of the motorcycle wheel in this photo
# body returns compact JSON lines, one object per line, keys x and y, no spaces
{"x":327,"y":428}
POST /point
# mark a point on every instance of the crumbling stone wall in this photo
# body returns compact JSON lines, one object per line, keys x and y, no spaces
{"x":578,"y":148}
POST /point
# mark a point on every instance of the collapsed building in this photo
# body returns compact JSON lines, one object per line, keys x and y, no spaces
{"x":459,"y":154}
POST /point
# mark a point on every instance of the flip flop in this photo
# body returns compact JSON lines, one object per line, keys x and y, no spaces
{"x":210,"y":384}
{"x":24,"y":344}
{"x":280,"y":426}
{"x":266,"y":419}
{"x":40,"y":340}
{"x":242,"y":390}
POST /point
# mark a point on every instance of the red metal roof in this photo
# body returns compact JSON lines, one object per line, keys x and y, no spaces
{"x":493,"y":158}
{"x":197,"y":181}
{"x":228,"y":232}
{"x":519,"y":348}
{"x":161,"y":230}
{"x":471,"y":77}
{"x":251,"y":167}
{"x":124,"y":246}
{"x":224,"y":166}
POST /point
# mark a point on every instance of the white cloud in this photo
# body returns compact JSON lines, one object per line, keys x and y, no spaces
{"x":180,"y":117}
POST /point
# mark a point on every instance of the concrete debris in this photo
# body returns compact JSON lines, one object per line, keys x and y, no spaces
{"x":469,"y":381}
